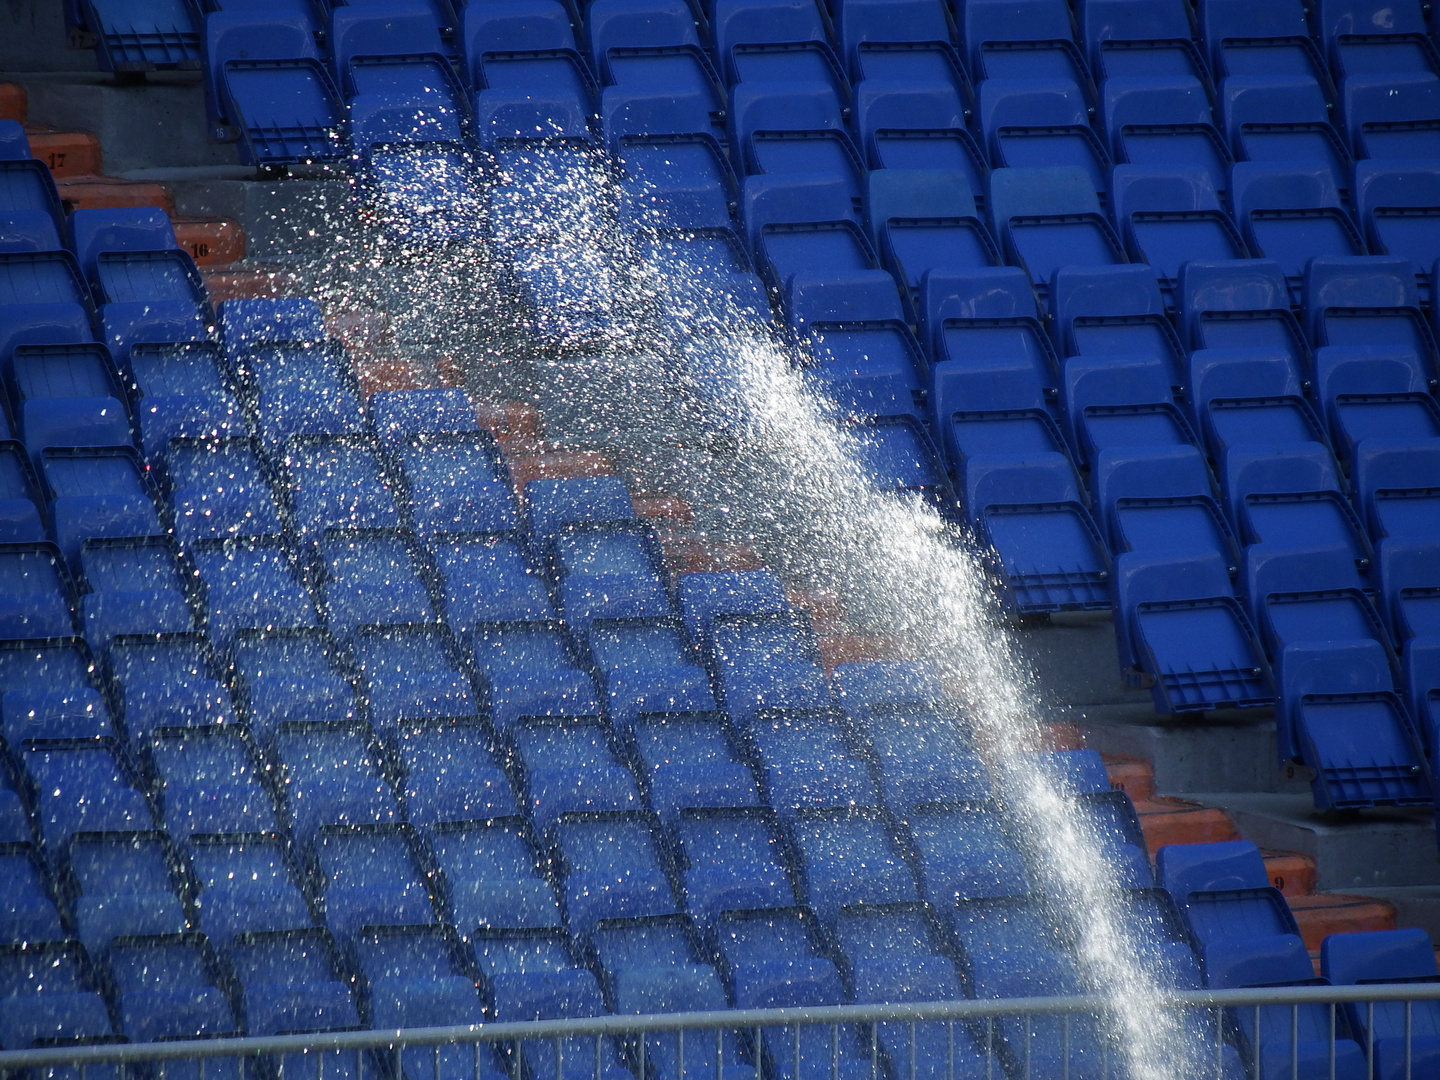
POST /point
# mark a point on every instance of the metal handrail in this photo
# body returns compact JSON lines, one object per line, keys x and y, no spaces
{"x":965,"y":1009}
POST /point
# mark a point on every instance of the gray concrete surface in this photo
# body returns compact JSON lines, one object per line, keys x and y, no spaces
{"x":34,"y":38}
{"x":289,"y":218}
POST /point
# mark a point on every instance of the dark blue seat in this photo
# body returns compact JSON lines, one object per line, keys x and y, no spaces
{"x":1170,"y":216}
{"x":283,"y":675}
{"x":609,"y":571}
{"x":1161,"y":501}
{"x":1260,"y":39}
{"x":132,"y":586}
{"x":732,"y":858}
{"x":371,"y":875}
{"x":248,"y":883}
{"x":1031,"y":122}
{"x":806,"y":226}
{"x":450,"y":772}
{"x":68,"y":395}
{"x":896,"y":457}
{"x":1245,"y":396}
{"x":865,"y":684}
{"x":130,"y":256}
{"x":1374,"y":391}
{"x":399,"y":414}
{"x":123,"y":884}
{"x":690,"y":759}
{"x":612,"y":865}
{"x":51,"y":995}
{"x":1292,"y":212}
{"x":39,"y":597}
{"x":332,"y":774}
{"x":923,"y":754}
{"x":338,"y":482}
{"x":42,"y":277}
{"x":488,"y":578}
{"x":1150,"y":38}
{"x":1392,"y":116}
{"x":647,"y":666}
{"x":170,"y":987}
{"x":124,"y":326}
{"x":850,"y":856}
{"x":916,"y":124}
{"x":164,"y":681}
{"x":964,"y":854}
{"x":252,"y":583}
{"x":1115,"y":401}
{"x":531,"y":669}
{"x":270,"y":89}
{"x":411,"y":673}
{"x":1369,"y":301}
{"x":250,"y":324}
{"x":806,"y":760}
{"x":1283,"y":118}
{"x":570,"y":764}
{"x":298,"y":388}
{"x":143,"y":37}
{"x":1387,"y":956}
{"x":98,"y":492}
{"x":457,"y":483}
{"x":31,"y":201}
{"x":29,"y":913}
{"x":1114,"y":311}
{"x":551,"y":505}
{"x":182,"y":390}
{"x":1022,"y":39}
{"x":650,"y":43}
{"x":775,"y":41}
{"x":1365,"y":38}
{"x":1408,"y":590}
{"x":1165,"y":122}
{"x":1399,"y":206}
{"x":784,"y":128}
{"x":393,"y":50}
{"x":60,"y":662}
{"x":883,"y":41}
{"x":211,"y":781}
{"x":1240,"y":304}
{"x":675,"y":172}
{"x":1046,"y":218}
{"x":372,"y":577}
{"x":1391,"y":481}
{"x":495,"y":877}
{"x":705,"y":596}
{"x":766,"y":661}
{"x":523,"y":49}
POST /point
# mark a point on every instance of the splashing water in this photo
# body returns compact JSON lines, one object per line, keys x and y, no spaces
{"x":645,"y":358}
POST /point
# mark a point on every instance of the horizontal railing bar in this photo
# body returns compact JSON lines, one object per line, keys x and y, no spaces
{"x":965,"y":1009}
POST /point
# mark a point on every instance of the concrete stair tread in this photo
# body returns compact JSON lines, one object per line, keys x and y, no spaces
{"x":1293,"y":873}
{"x":557,"y":465}
{"x":508,"y":420}
{"x":1177,"y":821}
{"x":210,"y":241}
{"x":1324,"y":914}
{"x":111,"y":193}
{"x":14,"y":102}
{"x":857,"y":648}
{"x":1133,"y":775}
{"x":67,"y":153}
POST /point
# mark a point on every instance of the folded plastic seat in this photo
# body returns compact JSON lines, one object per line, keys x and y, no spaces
{"x":52,"y":996}
{"x":1046,"y":218}
{"x":1162,"y":501}
{"x":1042,"y":123}
{"x":650,"y":43}
{"x":570,"y":764}
{"x":1239,"y":397}
{"x":1283,"y":118}
{"x":1113,"y":311}
{"x":1395,"y":488}
{"x":211,"y":780}
{"x":1392,"y":116}
{"x":182,"y":390}
{"x":1365,"y":37}
{"x":850,"y":856}
{"x":551,"y":505}
{"x":963,"y":853}
{"x":524,"y":50}
{"x":270,"y":90}
{"x":487,"y":578}
{"x":30,"y":912}
{"x":130,"y":256}
{"x":371,"y":876}
{"x":690,"y":759}
{"x":732,"y":858}
{"x":29,"y":201}
{"x":494,"y":876}
{"x":39,"y":597}
{"x":61,"y":322}
{"x":132,"y":586}
{"x":172,"y":680}
{"x":1165,"y":122}
{"x":450,"y":772}
{"x":1374,"y":392}
{"x":46,"y":278}
{"x":248,"y":325}
{"x":98,"y":492}
{"x":612,"y":865}
{"x":289,"y":674}
{"x":883,"y":41}
{"x":394,"y":51}
{"x":923,"y":753}
{"x":1148,"y":39}
{"x":705,"y":596}
{"x":766,"y":661}
{"x":68,"y":395}
{"x":252,"y":583}
{"x":143,"y":38}
{"x":457,"y":483}
{"x":1119,"y":401}
{"x":1242,"y":303}
{"x":1170,"y":216}
{"x":775,"y":958}
{"x":338,"y":482}
{"x":331,"y":773}
{"x":675,"y":171}
{"x":531,"y":668}
{"x":372,"y":577}
{"x":1398,"y":206}
{"x":609,"y":571}
{"x":1397,"y":1032}
{"x":784,"y":128}
{"x":905,"y":123}
{"x":647,"y":666}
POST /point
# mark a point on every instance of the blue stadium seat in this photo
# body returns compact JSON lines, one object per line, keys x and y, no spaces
{"x":690,"y":759}
{"x":1408,"y":590}
{"x":1068,"y":772}
{"x":647,"y":666}
{"x":865,"y":684}
{"x":1048,"y":218}
{"x":270,"y":90}
{"x":1146,"y":38}
{"x":775,"y":41}
{"x":609,"y":571}
{"x":1260,"y":39}
{"x":450,"y":772}
{"x":551,"y":505}
{"x":1374,"y":391}
{"x":411,"y":673}
{"x":1031,"y":123}
{"x":650,"y":43}
{"x":776,"y":958}
{"x":1367,"y":302}
{"x":123,"y":326}
{"x":399,"y":414}
{"x":805,"y":760}
{"x":1170,"y":216}
{"x":283,"y":675}
{"x":52,"y":996}
{"x":43,"y":277}
{"x":248,"y":325}
{"x":371,"y":875}
{"x":1240,"y":304}
{"x":915,"y":124}
{"x":143,"y":37}
{"x":896,"y":457}
{"x":850,"y":856}
{"x":531,"y":669}
{"x":785,"y":128}
{"x":1390,"y":482}
{"x":338,"y":482}
{"x":519,"y":50}
{"x":676,"y":174}
{"x":1113,"y":311}
{"x":132,"y":586}
{"x":487,"y":578}
{"x":1023,"y":39}
{"x":129,"y":256}
{"x":57,"y":660}
{"x":123,"y":884}
{"x":705,"y":596}
{"x":182,"y":390}
{"x":1179,"y":623}
{"x":299,"y":389}
{"x":170,"y":987}
{"x":332,"y":773}
{"x":29,"y":913}
{"x":1283,"y":118}
{"x":40,"y":324}
{"x":1161,"y":501}
{"x":372,"y":577}
{"x":1398,"y":207}
{"x":732,"y":858}
{"x":164,"y":681}
{"x":394,"y":50}
{"x":1366,"y":38}
{"x":1165,"y":122}
{"x":570,"y":764}
{"x":1121,"y":401}
{"x":1240,"y":396}
{"x":39,"y":597}
{"x":68,"y":395}
{"x":766,"y":661}
{"x":1289,"y":494}
{"x":612,"y":865}
{"x":494,"y":876}
{"x":31,"y":202}
{"x":1392,"y":116}
{"x":883,"y":41}
{"x":964,"y":854}
{"x":1292,"y":212}
{"x":924,"y":755}
{"x":457,"y":483}
{"x":252,"y":583}
{"x":1387,"y":956}
{"x":211,"y":780}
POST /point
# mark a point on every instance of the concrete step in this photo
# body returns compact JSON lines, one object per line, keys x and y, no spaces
{"x":242,"y":283}
{"x":1324,"y":914}
{"x":14,"y":102}
{"x":509,"y":420}
{"x":856,"y":648}
{"x":112,"y":193}
{"x":557,"y":465}
{"x":1132,"y":775}
{"x":1177,"y":821}
{"x":689,"y":552}
{"x":67,"y":154}
{"x":210,"y":241}
{"x":1291,"y":872}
